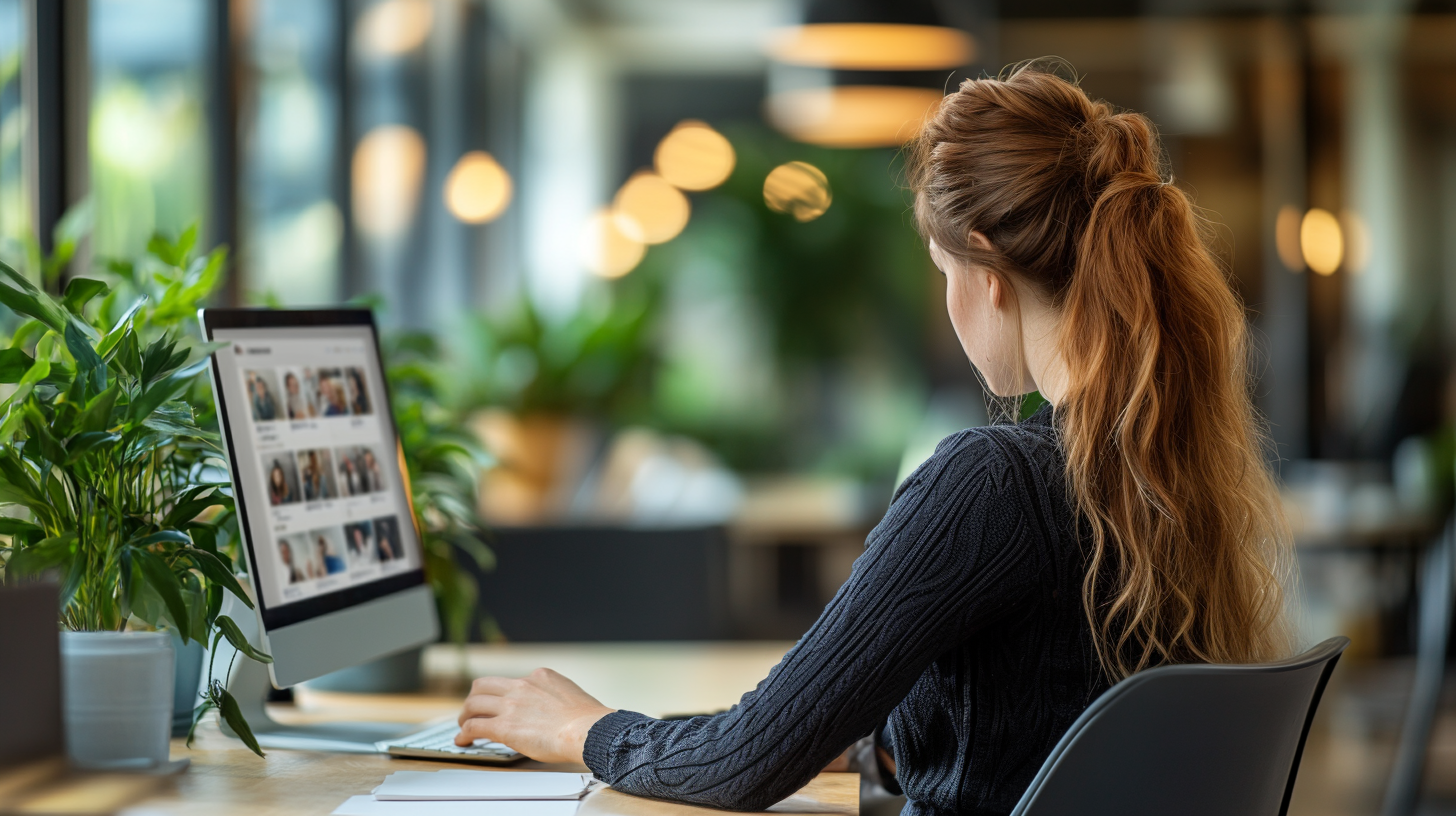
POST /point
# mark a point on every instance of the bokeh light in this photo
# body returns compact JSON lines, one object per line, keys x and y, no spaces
{"x":650,"y":210}
{"x":694,"y":156}
{"x":1286,"y":238}
{"x":390,"y":28}
{"x":872,"y":46}
{"x":1321,"y":241}
{"x":478,"y":189}
{"x":607,"y":251}
{"x":799,"y":189}
{"x":388,"y":167}
{"x":853,"y":115}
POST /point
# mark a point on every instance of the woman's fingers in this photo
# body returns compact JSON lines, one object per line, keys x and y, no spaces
{"x":475,"y":729}
{"x":480,"y":705}
{"x":493,"y":685}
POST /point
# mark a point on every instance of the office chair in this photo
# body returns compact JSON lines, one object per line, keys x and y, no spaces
{"x":1196,"y":740}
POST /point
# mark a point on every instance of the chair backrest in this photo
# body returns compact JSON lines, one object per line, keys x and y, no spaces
{"x":1196,"y":740}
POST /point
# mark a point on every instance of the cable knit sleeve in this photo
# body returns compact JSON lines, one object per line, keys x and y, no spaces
{"x":949,"y":558}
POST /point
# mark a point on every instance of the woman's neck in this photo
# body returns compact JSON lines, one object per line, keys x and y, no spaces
{"x":1040,"y":336}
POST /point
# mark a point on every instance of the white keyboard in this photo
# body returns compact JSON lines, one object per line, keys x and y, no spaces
{"x":438,"y":742}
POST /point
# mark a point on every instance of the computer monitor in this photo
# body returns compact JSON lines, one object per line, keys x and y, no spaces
{"x":323,"y":507}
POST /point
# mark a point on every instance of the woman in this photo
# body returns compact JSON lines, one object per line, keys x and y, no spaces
{"x":316,"y":486}
{"x":358,"y":394}
{"x":265,"y":409}
{"x":279,"y":490}
{"x":295,"y":575}
{"x":1022,"y":568}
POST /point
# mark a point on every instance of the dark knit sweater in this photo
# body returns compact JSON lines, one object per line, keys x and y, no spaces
{"x":962,"y":624}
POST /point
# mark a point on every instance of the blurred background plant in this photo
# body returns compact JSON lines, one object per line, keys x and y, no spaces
{"x":443,"y":463}
{"x":597,"y":361}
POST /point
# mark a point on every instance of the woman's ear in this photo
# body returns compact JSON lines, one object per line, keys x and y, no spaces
{"x":993,"y":289}
{"x":979,"y":239}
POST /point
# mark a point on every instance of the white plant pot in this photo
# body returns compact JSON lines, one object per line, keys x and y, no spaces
{"x":118,"y":689}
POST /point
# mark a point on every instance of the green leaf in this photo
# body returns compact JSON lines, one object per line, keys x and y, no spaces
{"x":24,"y":298}
{"x":13,"y":364}
{"x":197,"y":714}
{"x":161,"y":578}
{"x":88,"y":362}
{"x":18,"y":527}
{"x":37,"y":427}
{"x":234,"y":635}
{"x":228,"y":707}
{"x":128,"y":353}
{"x":156,"y":356}
{"x":161,"y":249}
{"x":41,"y":556}
{"x":161,"y":537}
{"x":126,"y":569}
{"x":80,"y":291}
{"x":176,"y":418}
{"x":208,"y":279}
{"x":75,"y":573}
{"x":27,"y":333}
{"x":162,"y":391}
{"x":193,"y":501}
{"x":119,"y":329}
{"x":215,"y":570}
{"x":97,"y":416}
{"x":83,"y":443}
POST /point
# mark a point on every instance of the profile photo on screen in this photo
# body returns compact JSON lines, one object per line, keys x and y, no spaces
{"x":292,"y":555}
{"x":358,"y":392}
{"x":262,"y":387}
{"x":316,"y":469}
{"x":359,"y":470}
{"x":371,"y":475}
{"x":386,"y":536}
{"x":332,"y":397}
{"x":359,"y":543}
{"x":298,"y":394}
{"x":328,"y":549}
{"x":282,"y":478}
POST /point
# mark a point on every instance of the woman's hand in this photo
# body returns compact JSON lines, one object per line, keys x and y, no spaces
{"x":544,"y":715}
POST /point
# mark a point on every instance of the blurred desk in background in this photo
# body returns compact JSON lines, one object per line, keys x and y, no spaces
{"x":663,"y":678}
{"x":656,"y":679}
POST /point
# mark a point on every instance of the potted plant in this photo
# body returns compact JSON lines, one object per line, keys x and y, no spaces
{"x":111,"y":482}
{"x":524,"y":382}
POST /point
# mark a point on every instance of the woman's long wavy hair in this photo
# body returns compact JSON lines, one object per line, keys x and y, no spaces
{"x":1164,"y":449}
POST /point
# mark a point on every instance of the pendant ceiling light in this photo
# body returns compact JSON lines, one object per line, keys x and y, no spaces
{"x":862,"y":73}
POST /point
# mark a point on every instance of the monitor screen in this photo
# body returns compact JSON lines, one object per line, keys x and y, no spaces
{"x":321,"y":497}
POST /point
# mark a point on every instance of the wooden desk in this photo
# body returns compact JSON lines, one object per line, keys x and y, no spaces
{"x":225,"y":778}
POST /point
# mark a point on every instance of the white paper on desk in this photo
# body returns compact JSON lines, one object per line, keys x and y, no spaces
{"x":455,"y":784}
{"x":369,"y":806}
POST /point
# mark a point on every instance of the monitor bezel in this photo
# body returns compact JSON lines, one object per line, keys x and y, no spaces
{"x":277,"y":617}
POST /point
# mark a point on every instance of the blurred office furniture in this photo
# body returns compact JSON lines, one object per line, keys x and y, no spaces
{"x":1190,"y":739}
{"x":1349,"y":510}
{"x":30,"y":680}
{"x":1434,"y":630}
{"x":597,"y":583}
{"x":657,"y":679}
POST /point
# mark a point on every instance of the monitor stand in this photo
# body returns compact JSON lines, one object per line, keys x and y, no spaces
{"x":250,"y":684}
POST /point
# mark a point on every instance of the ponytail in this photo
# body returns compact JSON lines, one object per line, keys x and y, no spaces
{"x":1164,"y":450}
